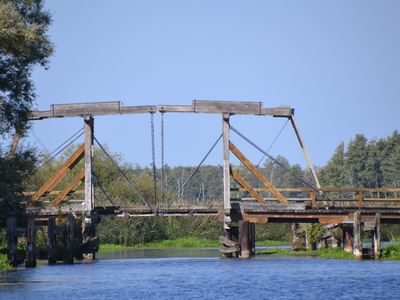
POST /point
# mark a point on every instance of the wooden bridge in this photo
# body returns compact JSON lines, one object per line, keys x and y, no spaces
{"x":354,"y":209}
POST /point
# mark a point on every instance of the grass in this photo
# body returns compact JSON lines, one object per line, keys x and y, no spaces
{"x":272,"y":243}
{"x":328,"y":253}
{"x":391,"y":252}
{"x":189,"y":242}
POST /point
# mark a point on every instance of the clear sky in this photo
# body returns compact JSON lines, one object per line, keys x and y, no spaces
{"x":336,"y":62}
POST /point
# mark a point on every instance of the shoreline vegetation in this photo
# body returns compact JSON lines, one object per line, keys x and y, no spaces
{"x":188,"y":242}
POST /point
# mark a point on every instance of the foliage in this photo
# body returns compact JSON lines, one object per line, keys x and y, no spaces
{"x":4,"y":265}
{"x":391,"y":252}
{"x":23,"y":45}
{"x":314,"y":234}
{"x":326,"y":253}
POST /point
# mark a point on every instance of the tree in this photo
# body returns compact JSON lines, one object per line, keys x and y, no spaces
{"x":335,"y":173}
{"x":356,"y":158}
{"x":23,"y":45}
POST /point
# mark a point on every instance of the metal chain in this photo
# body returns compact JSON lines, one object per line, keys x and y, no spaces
{"x":153,"y":153}
{"x":162,"y":160}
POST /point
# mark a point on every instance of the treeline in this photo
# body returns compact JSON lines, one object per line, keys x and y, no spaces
{"x":363,"y":163}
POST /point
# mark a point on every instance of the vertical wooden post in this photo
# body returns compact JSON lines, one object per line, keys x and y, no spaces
{"x":52,"y":240}
{"x":252,"y":239}
{"x":30,"y":261}
{"x":357,"y":250}
{"x":244,"y":234}
{"x":347,"y":239}
{"x":70,"y":239}
{"x":89,"y":188}
{"x":12,"y":241}
{"x":296,"y":238}
{"x":377,"y":236}
{"x":87,"y":220}
{"x":226,"y":178}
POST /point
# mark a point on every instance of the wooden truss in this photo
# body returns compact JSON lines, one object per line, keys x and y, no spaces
{"x":59,"y":175}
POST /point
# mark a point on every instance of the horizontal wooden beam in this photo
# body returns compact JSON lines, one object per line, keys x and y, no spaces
{"x":227,"y":107}
{"x":327,"y":190}
{"x":90,"y":109}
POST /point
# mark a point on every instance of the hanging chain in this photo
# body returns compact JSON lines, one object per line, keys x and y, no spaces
{"x":162,"y":160}
{"x":153,"y":152}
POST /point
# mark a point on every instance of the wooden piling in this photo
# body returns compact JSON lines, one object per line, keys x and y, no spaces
{"x":377,"y":236}
{"x":52,"y":240}
{"x":252,"y":235}
{"x":357,"y":250}
{"x":347,"y":239}
{"x":30,"y":261}
{"x":226,"y":179}
{"x":12,"y":241}
{"x":245,"y":243}
{"x":296,"y":237}
{"x":70,"y":239}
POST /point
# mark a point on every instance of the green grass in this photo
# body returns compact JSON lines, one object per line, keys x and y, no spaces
{"x":391,"y":252}
{"x":4,"y":266}
{"x":189,"y":242}
{"x":328,"y":253}
{"x":272,"y":243}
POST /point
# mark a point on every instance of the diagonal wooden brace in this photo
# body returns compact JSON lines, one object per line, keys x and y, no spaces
{"x":240,"y":180}
{"x":60,"y":173}
{"x":76,"y":181}
{"x":257,"y":173}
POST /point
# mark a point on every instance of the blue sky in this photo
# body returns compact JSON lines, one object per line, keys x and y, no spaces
{"x":336,"y":62}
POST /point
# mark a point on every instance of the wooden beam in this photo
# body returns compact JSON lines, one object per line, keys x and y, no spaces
{"x":332,"y":190}
{"x":313,"y":197}
{"x":257,"y":173}
{"x":227,"y":107}
{"x":357,"y":250}
{"x":359,"y":199}
{"x":76,"y":181}
{"x":89,"y":185}
{"x":60,"y":173}
{"x":90,"y":109}
{"x":240,"y":180}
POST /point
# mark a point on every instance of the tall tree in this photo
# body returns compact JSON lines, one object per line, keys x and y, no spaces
{"x":24,"y":44}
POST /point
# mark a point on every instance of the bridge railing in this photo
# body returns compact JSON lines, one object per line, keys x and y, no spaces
{"x":332,"y":197}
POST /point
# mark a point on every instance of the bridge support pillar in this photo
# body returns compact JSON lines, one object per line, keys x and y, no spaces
{"x":70,"y":240}
{"x":52,"y":240}
{"x":252,"y":234}
{"x":12,"y":241}
{"x":296,"y":244}
{"x":30,"y":261}
{"x":376,"y":236}
{"x":226,"y":180}
{"x":347,"y":238}
{"x":357,"y":249}
{"x":244,"y":239}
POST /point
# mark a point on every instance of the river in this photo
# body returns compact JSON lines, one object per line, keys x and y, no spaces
{"x":201,"y":274}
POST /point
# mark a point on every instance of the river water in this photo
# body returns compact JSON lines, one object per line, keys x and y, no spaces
{"x":201,"y":274}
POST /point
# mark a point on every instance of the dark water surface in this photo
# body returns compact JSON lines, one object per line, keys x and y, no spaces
{"x":200,"y":274}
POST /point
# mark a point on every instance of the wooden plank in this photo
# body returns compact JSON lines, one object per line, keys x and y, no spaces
{"x":279,"y":112}
{"x":175,"y":108}
{"x":231,"y":107}
{"x":76,"y":181}
{"x":330,"y":190}
{"x":333,"y":219}
{"x":228,"y":250}
{"x":240,"y":180}
{"x":52,"y":240}
{"x":227,"y":242}
{"x":90,"y":109}
{"x":54,"y":193}
{"x":12,"y":241}
{"x":60,"y":173}
{"x":257,"y":173}
{"x":261,"y":207}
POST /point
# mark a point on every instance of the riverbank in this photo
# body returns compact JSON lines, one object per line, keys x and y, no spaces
{"x":390,"y":252}
{"x":189,"y":242}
